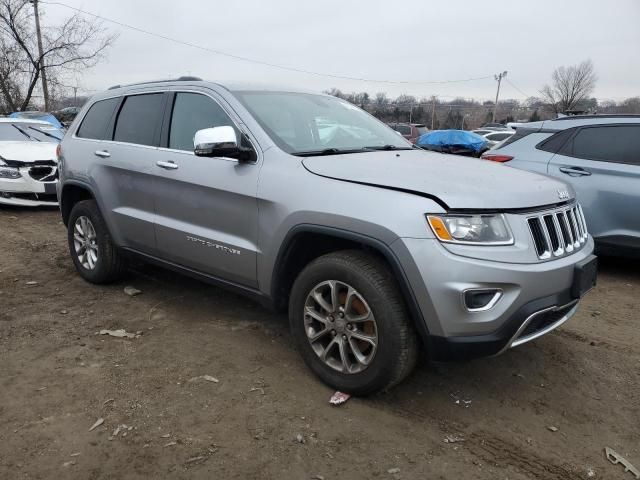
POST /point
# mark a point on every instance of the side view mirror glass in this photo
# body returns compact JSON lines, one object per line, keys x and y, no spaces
{"x":216,"y":142}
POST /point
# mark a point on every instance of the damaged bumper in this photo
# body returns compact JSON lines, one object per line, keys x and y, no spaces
{"x":30,"y":185}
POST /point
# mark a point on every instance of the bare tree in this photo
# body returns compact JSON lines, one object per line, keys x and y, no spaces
{"x":570,"y":85}
{"x":74,"y":45}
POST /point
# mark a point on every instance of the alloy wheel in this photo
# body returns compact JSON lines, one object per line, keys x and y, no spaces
{"x":340,"y":326}
{"x":85,"y":242}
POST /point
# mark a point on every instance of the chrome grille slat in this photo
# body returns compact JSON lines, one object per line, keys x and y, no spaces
{"x":558,"y":232}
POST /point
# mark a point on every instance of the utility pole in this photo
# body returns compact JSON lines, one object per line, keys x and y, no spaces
{"x":498,"y":78}
{"x":43,"y":74}
{"x":433,"y":111}
{"x":75,"y":96}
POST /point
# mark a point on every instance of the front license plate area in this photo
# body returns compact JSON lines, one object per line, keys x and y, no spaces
{"x":584,"y":276}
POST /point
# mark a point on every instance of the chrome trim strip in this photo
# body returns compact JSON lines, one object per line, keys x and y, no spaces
{"x":516,"y":340}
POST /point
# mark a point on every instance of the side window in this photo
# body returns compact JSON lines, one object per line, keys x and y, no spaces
{"x":555,"y":142}
{"x":138,"y":119}
{"x":95,"y":122}
{"x":193,"y":112}
{"x":616,"y":143}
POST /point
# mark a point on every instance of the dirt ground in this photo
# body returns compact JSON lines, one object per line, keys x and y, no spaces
{"x":487,"y":419}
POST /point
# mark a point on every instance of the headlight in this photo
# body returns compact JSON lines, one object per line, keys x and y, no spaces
{"x":471,"y":229}
{"x":8,"y":172}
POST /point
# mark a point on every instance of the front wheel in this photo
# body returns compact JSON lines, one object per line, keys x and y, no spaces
{"x":350,"y":323}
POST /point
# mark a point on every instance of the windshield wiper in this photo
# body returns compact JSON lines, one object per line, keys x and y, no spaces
{"x":386,"y":147}
{"x":45,"y":133}
{"x":23,"y":132}
{"x":327,"y":151}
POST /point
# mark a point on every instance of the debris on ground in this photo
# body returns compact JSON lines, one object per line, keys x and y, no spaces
{"x":453,"y":439}
{"x":208,"y":378}
{"x":166,"y":435}
{"x":120,"y":333}
{"x":108,"y":400}
{"x":339,"y":398}
{"x":77,"y":454}
{"x":132,"y":291}
{"x":32,"y":282}
{"x":41,"y":389}
{"x":551,"y":428}
{"x":98,"y":422}
{"x":317,"y":477}
{"x":68,"y":464}
{"x":590,"y":472}
{"x":121,"y":428}
{"x":170,"y":444}
{"x":393,"y":471}
{"x":64,"y":312}
{"x":300,"y":438}
{"x":615,"y":458}
{"x":195,"y":459}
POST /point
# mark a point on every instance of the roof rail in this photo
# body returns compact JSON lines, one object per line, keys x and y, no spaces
{"x":594,"y":115}
{"x":184,"y":78}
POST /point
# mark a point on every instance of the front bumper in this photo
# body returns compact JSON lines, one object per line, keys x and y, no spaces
{"x":539,"y":294}
{"x":29,"y":191}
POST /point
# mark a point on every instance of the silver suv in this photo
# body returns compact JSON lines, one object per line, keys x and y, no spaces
{"x":599,"y":155}
{"x":307,"y":203}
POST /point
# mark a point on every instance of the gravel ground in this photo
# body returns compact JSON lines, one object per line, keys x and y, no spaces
{"x":267,"y":416}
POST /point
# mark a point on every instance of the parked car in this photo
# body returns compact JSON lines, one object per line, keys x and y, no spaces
{"x":66,"y":115}
{"x":599,"y":155}
{"x":373,"y":248}
{"x":495,"y":137}
{"x":28,"y":162}
{"x":458,"y":142}
{"x":410,"y":131}
{"x":43,"y":116}
{"x":494,"y":126}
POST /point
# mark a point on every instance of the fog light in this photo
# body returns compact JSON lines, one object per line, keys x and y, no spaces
{"x":9,"y":172}
{"x":481,"y":299}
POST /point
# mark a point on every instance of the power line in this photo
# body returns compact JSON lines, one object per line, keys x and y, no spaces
{"x":511,"y":83}
{"x":260,"y":62}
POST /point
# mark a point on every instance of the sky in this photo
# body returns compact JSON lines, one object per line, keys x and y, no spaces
{"x":398,"y":47}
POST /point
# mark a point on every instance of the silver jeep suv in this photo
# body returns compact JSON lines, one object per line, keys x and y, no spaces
{"x":307,"y":203}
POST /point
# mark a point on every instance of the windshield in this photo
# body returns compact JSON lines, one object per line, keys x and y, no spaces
{"x":301,"y":123}
{"x":26,"y":131}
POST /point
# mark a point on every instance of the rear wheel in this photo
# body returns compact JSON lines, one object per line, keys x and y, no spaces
{"x":94,"y":255}
{"x":350,"y":323}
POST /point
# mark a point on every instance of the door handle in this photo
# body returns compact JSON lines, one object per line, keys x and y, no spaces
{"x":575,"y":171}
{"x":102,"y":154}
{"x":167,"y":165}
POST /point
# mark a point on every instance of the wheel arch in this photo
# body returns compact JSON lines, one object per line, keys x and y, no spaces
{"x":72,"y":193}
{"x":303,"y":243}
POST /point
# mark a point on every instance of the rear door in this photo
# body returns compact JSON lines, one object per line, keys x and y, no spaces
{"x":602,"y":163}
{"x":124,"y":170}
{"x":206,"y":208}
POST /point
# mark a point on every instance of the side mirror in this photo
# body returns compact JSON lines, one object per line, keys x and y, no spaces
{"x":216,"y":142}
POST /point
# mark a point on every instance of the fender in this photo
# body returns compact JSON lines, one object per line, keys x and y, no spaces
{"x":378,"y":245}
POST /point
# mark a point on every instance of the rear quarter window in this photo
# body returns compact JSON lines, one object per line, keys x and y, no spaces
{"x":95,"y":122}
{"x":555,"y":142}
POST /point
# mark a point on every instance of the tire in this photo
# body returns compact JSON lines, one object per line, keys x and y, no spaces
{"x":108,"y":265}
{"x":376,"y":292}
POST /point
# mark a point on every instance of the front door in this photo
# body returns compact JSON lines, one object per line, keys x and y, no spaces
{"x":206,"y":208}
{"x":602,"y":163}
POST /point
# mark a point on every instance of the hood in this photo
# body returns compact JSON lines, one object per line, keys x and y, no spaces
{"x":28,"y":152}
{"x":459,"y":182}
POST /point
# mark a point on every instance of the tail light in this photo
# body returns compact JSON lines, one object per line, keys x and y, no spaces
{"x":496,"y":157}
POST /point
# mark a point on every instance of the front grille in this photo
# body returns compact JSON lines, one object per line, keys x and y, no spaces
{"x":558,"y":232}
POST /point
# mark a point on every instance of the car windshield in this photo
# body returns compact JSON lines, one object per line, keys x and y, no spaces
{"x":27,"y":131}
{"x":308,"y":124}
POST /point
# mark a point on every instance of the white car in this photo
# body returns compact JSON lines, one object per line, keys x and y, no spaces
{"x":28,"y":162}
{"x":496,"y":136}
